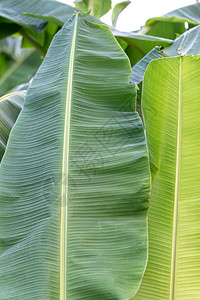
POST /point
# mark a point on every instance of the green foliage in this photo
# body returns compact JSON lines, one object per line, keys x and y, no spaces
{"x":82,"y":148}
{"x":74,"y":173}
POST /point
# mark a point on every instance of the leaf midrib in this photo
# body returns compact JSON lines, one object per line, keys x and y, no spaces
{"x":177,"y":184}
{"x":65,"y":166}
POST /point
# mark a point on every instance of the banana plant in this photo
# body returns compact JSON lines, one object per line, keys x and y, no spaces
{"x":74,"y":180}
{"x":171,"y":115}
{"x":74,"y":168}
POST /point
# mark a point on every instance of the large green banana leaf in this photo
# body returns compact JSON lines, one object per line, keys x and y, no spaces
{"x":74,"y":181}
{"x":10,"y":107}
{"x":171,"y":111}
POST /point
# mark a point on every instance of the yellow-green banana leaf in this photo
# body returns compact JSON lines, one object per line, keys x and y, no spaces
{"x":171,"y":108}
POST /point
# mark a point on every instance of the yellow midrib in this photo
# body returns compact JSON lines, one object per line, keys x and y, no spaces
{"x":11,"y":94}
{"x":65,"y":166}
{"x":174,"y":238}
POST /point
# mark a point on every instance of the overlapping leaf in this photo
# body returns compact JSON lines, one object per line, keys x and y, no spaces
{"x":172,"y":125}
{"x":10,"y":107}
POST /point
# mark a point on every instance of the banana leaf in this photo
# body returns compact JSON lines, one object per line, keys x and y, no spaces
{"x":74,"y":181}
{"x":22,"y":87}
{"x":10,"y":107}
{"x":171,"y":110}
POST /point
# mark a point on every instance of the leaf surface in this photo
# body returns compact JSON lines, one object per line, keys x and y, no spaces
{"x":173,"y":133}
{"x":74,"y":182}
